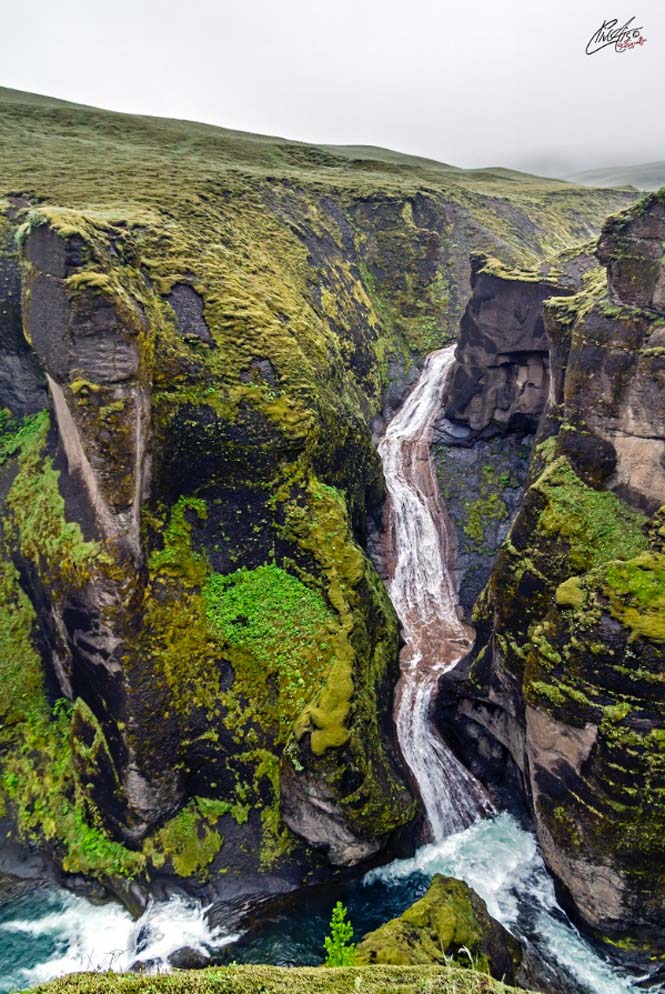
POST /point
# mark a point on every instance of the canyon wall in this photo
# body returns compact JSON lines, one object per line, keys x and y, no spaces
{"x":562,"y":693}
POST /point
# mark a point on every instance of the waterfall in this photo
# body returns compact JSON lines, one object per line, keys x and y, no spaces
{"x":423,"y":591}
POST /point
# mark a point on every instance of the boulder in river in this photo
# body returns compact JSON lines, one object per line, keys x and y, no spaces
{"x":450,"y":923}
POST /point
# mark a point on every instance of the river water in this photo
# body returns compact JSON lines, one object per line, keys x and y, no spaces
{"x":47,"y":932}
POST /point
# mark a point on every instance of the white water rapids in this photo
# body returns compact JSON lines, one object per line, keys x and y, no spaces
{"x":424,"y":595}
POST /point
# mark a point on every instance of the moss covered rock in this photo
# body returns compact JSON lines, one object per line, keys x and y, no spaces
{"x":450,"y":924}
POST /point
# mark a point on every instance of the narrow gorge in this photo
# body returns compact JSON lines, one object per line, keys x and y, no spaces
{"x":331,"y":560}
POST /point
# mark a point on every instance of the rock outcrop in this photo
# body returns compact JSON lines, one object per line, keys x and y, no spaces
{"x":499,"y":388}
{"x":500,"y":381}
{"x":22,"y":382}
{"x":449,"y":924}
{"x":564,"y":685}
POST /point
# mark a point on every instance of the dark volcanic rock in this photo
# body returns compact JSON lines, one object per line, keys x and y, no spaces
{"x":22,"y":382}
{"x":562,"y":693}
{"x":500,"y":379}
{"x":482,"y":485}
{"x":188,"y":308}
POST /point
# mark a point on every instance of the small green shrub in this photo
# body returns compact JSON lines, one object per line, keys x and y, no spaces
{"x":340,"y":950}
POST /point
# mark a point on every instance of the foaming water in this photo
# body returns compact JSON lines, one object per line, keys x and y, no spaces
{"x":47,"y":934}
{"x":424,"y":595}
{"x":503,"y":864}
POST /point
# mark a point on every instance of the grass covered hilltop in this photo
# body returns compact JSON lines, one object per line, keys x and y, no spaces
{"x":197,"y":327}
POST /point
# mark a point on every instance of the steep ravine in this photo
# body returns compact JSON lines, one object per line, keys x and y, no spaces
{"x":494,"y":855}
{"x":421,"y":558}
{"x":198,"y":653}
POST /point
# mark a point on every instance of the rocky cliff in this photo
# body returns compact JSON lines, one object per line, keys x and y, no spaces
{"x":198,"y":654}
{"x":562,"y":693}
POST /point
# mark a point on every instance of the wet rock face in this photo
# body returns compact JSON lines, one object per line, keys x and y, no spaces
{"x":450,"y":923}
{"x":482,"y":486}
{"x":22,"y":382}
{"x":500,"y":381}
{"x":562,"y":692}
{"x":188,"y":308}
{"x":92,"y":342}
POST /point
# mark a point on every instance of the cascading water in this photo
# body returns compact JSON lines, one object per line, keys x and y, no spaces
{"x":500,"y":860}
{"x":48,"y":932}
{"x":424,"y":596}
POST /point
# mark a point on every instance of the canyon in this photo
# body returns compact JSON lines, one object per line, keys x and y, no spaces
{"x":278,"y":424}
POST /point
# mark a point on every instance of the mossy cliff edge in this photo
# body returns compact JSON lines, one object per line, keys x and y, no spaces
{"x":282,"y":980}
{"x":564,"y":686}
{"x":198,"y":654}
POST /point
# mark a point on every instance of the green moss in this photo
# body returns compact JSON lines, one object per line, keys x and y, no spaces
{"x":47,"y":803}
{"x":570,"y":593}
{"x":272,"y":616}
{"x":449,"y":925}
{"x":37,"y":512}
{"x":596,"y":525}
{"x":435,"y":929}
{"x":21,"y":670}
{"x":19,"y":433}
{"x":636,"y":594}
{"x":484,"y":508}
{"x":189,"y":840}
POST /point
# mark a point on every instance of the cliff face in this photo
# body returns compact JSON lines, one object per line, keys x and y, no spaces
{"x":500,"y":380}
{"x":564,"y":685}
{"x":197,"y":651}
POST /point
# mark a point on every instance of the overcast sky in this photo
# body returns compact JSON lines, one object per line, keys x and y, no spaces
{"x":473,"y":83}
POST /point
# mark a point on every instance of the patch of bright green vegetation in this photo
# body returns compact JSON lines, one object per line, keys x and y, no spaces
{"x":37,"y":513}
{"x":17,"y":433}
{"x":20,"y":666}
{"x":189,"y":839}
{"x":284,"y":625}
{"x":284,"y":980}
{"x":596,"y":525}
{"x":488,"y":506}
{"x":39,"y":785}
{"x":570,"y":593}
{"x":636,"y":594}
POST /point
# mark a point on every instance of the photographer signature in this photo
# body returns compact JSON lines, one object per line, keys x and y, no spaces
{"x":622,"y":38}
